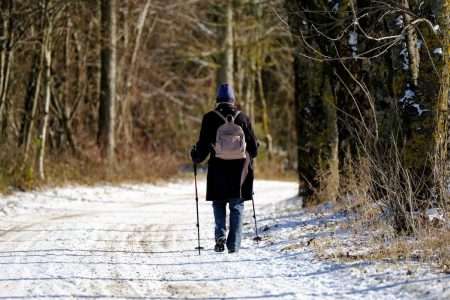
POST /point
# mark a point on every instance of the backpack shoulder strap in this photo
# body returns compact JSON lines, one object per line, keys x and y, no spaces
{"x":226,"y":119}
{"x":220,"y":115}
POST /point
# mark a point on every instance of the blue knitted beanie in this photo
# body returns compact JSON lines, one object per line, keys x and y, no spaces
{"x":225,"y":93}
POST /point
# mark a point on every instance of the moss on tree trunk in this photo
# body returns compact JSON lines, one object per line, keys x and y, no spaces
{"x":315,"y":98}
{"x":425,"y":116}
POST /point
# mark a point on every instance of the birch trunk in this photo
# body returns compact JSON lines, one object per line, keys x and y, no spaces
{"x":411,"y":41}
{"x":131,"y":69}
{"x":47,"y":99}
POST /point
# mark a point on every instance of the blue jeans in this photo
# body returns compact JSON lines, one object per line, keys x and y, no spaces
{"x":236,"y":207}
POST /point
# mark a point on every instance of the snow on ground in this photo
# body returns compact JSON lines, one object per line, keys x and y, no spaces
{"x":137,"y":242}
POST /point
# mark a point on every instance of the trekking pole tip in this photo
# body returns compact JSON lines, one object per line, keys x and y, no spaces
{"x":257,"y":238}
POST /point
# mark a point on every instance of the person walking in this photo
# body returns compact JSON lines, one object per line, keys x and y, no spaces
{"x":226,"y":135}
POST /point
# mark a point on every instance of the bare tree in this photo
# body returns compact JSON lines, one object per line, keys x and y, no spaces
{"x":47,"y":93}
{"x":6,"y":60}
{"x":168,"y":56}
{"x":129,"y":70}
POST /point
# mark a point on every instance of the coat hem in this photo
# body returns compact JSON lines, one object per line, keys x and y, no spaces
{"x":226,"y":199}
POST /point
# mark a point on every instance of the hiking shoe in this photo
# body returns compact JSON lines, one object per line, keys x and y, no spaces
{"x":220,"y":245}
{"x":231,"y":251}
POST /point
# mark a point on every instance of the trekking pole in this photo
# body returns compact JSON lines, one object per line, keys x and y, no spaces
{"x":196,"y":204}
{"x":257,"y":237}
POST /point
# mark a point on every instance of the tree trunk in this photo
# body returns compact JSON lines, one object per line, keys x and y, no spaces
{"x":251,"y":88}
{"x":446,"y":52}
{"x":249,"y":95}
{"x":130,"y":70}
{"x":317,"y":131}
{"x":442,"y":130}
{"x":425,"y":115}
{"x":239,"y":76}
{"x":411,"y":41}
{"x":47,"y":97}
{"x":318,"y":164}
{"x":107,"y":108}
{"x":261,"y":56}
{"x":6,"y":57}
{"x":31,"y":102}
{"x":32,"y":96}
{"x":264,"y":113}
{"x":226,"y":70}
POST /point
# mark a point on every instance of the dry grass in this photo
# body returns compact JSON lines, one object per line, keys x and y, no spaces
{"x":433,"y":247}
{"x":434,"y":243}
{"x":140,"y":167}
{"x":373,"y":239}
{"x":274,"y":168}
{"x":89,"y":169}
{"x":429,"y":246}
{"x":373,"y":234}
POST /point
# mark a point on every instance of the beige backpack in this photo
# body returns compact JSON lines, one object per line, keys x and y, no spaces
{"x":230,"y":139}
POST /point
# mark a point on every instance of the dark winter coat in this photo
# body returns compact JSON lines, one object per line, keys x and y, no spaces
{"x":224,"y":176}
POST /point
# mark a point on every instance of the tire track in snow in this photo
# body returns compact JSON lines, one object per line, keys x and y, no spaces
{"x":29,"y":243}
{"x":137,"y":243}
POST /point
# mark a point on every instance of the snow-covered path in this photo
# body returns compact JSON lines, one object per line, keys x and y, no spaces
{"x":137,"y":242}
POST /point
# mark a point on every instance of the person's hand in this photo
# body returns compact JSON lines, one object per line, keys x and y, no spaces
{"x":194,"y":154}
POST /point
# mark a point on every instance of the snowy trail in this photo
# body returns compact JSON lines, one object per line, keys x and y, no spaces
{"x":137,"y":242}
